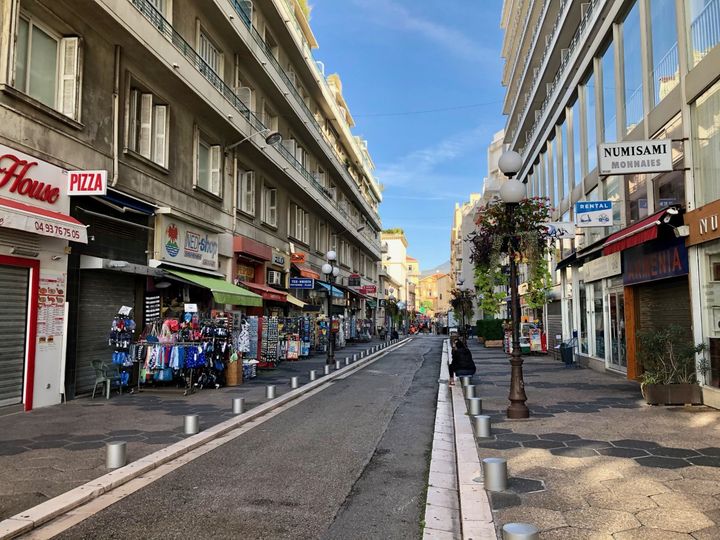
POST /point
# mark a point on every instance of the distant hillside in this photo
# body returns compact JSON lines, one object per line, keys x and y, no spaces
{"x":444,"y":268}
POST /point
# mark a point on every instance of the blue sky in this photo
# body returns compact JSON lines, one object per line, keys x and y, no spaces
{"x":403,"y":56}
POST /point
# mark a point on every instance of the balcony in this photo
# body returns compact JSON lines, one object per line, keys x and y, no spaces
{"x":319,"y":132}
{"x":148,"y":11}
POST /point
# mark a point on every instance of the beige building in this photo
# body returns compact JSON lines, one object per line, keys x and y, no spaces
{"x":177,"y":100}
{"x":434,"y":294}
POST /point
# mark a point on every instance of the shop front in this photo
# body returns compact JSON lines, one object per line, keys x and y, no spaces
{"x":249,"y":269}
{"x":35,"y":231}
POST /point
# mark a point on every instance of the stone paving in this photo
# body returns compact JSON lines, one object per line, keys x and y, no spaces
{"x":51,"y":450}
{"x":594,"y":461}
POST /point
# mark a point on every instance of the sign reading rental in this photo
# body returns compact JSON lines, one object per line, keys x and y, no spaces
{"x":635,"y":157}
{"x":593,"y":214}
{"x":87,"y":182}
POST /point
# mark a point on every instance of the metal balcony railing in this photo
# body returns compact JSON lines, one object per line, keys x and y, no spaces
{"x":321,"y":135}
{"x":666,"y":74}
{"x":146,"y":8}
{"x":705,"y":31}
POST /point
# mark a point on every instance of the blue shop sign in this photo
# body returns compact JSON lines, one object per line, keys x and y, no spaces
{"x":302,"y":283}
{"x":655,"y":260}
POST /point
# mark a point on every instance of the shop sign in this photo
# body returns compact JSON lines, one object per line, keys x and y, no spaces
{"x":245,"y":272}
{"x":704,"y":224}
{"x":297,"y":258}
{"x":593,"y":214}
{"x":279,"y":260}
{"x":87,"y":182}
{"x":559,"y":230}
{"x":523,"y":288}
{"x":181,"y":243}
{"x":602,"y":267}
{"x":191,"y":308}
{"x":354,"y":280}
{"x":368,"y":289}
{"x":635,"y":157}
{"x":32,"y":181}
{"x":302,"y":283}
{"x":655,"y":260}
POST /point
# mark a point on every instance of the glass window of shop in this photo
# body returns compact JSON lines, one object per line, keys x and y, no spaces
{"x":632,"y":68}
{"x":669,"y":188}
{"x":703,"y":18}
{"x":609,"y":94}
{"x":578,"y":173}
{"x":710,"y":276}
{"x":597,"y":324}
{"x":614,"y":191}
{"x":706,"y":140}
{"x":587,"y":91}
{"x":583,"y":326}
{"x":664,"y":48}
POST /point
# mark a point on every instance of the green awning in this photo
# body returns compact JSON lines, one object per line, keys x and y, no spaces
{"x":372,"y":304}
{"x":222,"y":291}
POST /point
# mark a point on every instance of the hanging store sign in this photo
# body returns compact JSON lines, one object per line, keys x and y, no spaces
{"x":181,"y":243}
{"x":602,"y":267}
{"x":704,"y":224}
{"x":635,"y":157}
{"x":297,"y":258}
{"x":32,"y":181}
{"x":655,"y":260}
{"x":302,"y":283}
{"x":593,"y":214}
{"x":87,"y":182}
{"x":368,"y":289}
{"x":559,"y":230}
{"x":245,"y":272}
{"x":354,"y":280}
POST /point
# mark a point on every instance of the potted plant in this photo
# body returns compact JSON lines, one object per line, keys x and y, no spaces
{"x":669,"y":367}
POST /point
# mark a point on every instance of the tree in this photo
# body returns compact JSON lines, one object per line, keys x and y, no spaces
{"x":462,"y":304}
{"x":306,"y":8}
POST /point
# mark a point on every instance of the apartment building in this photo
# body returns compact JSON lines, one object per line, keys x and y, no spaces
{"x":580,"y":74}
{"x":434,"y":294}
{"x":218,"y":132}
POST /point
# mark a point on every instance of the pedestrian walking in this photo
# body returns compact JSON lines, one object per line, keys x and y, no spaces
{"x":462,"y":363}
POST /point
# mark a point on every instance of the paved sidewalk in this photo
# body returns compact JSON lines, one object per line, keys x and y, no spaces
{"x":49,"y":451}
{"x":594,"y":461}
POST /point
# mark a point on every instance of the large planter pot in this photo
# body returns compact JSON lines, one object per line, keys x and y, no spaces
{"x":672,"y":394}
{"x":493,"y":343}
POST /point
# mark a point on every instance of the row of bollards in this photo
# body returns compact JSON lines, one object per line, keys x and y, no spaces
{"x":495,"y":473}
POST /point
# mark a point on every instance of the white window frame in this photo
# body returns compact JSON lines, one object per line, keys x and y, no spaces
{"x":147,"y":125}
{"x":215,"y":159}
{"x":246,"y":191}
{"x":269,"y":205}
{"x":321,"y":236}
{"x":205,"y":44}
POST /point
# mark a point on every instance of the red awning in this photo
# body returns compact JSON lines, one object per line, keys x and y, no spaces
{"x":33,"y":219}
{"x":636,"y":234}
{"x":306,"y":271}
{"x":268,"y":293}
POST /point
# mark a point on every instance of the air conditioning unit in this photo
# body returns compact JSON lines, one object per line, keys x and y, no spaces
{"x":274,"y":277}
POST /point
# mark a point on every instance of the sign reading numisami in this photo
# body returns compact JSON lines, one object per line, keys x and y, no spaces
{"x":180,"y":243}
{"x":635,"y":157}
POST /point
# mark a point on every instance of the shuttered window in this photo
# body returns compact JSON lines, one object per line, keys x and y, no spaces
{"x":246,"y":191}
{"x":147,"y":132}
{"x":14,"y":283}
{"x":208,"y":166}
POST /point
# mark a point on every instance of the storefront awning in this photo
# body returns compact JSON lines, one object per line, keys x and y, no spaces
{"x":33,"y":219}
{"x":222,"y":291}
{"x":306,"y":271}
{"x":295,"y":302}
{"x":636,"y":234}
{"x":268,"y":293}
{"x":336,"y":292}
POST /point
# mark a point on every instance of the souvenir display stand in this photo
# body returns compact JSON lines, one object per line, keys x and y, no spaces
{"x":124,"y":355}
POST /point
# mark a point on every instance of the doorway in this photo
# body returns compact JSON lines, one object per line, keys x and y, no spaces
{"x":618,"y":358}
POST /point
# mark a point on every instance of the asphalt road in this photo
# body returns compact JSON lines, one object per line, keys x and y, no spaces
{"x":350,"y":462}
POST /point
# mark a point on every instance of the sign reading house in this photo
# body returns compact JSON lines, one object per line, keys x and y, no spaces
{"x":635,"y":157}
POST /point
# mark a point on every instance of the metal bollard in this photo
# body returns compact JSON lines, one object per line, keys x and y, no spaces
{"x":362,"y":354}
{"x":270,"y":391}
{"x":347,"y":360}
{"x":338,"y":365}
{"x":116,"y":456}
{"x":495,"y":474}
{"x":474,"y":406}
{"x":326,"y":370}
{"x":313,"y":374}
{"x":465,"y":381}
{"x":294,"y":382}
{"x":482,"y":426}
{"x":354,"y":357}
{"x":469,"y":391}
{"x":520,"y":531}
{"x":192,"y":424}
{"x":238,"y":405}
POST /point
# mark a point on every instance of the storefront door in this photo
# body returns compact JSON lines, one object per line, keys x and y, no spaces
{"x":618,"y":360}
{"x":14,"y":282}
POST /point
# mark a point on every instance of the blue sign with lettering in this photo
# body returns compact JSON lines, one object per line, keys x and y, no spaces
{"x":593,"y":214}
{"x":654,"y":260}
{"x":302,"y":283}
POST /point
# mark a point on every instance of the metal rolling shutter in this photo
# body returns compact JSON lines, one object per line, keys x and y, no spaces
{"x":554,"y":328}
{"x":14,"y":284}
{"x":665,"y":303}
{"x":101,"y":295}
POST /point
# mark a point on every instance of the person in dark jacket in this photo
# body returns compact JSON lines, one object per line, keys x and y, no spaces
{"x":462,"y":364}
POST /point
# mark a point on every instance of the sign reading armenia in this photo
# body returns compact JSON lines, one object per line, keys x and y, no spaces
{"x":635,"y":157}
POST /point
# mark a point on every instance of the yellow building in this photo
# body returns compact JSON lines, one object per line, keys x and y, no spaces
{"x":434,"y":294}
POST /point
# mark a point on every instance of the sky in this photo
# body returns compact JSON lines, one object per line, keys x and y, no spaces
{"x":422,"y":80}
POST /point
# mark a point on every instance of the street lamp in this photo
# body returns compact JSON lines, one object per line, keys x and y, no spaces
{"x":391,"y":299}
{"x":464,"y":297}
{"x":512,"y":192}
{"x":331,"y":272}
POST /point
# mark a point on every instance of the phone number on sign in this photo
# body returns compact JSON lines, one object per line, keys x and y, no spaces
{"x":57,"y":230}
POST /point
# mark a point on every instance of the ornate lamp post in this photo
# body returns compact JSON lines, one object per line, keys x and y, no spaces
{"x":331,"y":272}
{"x":512,"y":192}
{"x":391,"y":299}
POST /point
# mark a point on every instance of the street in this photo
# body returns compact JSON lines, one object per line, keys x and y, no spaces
{"x":349,"y":462}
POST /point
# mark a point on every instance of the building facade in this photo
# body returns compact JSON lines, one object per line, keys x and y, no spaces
{"x":581,"y":74}
{"x":181,"y":102}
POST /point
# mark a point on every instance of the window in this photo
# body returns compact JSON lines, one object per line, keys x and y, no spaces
{"x":47,"y":66}
{"x":564,"y":146}
{"x":596,"y":316}
{"x":299,"y":224}
{"x":321,"y":242}
{"x":607,"y":72}
{"x":269,"y":206}
{"x":706,"y":137}
{"x":207,"y":165}
{"x":246,"y":191}
{"x":633,"y":69}
{"x":637,"y":196}
{"x":663,"y":33}
{"x":212,"y":65}
{"x":269,"y":118}
{"x":588,"y":94}
{"x":148,"y":126}
{"x":243,"y":88}
{"x":704,"y":19}
{"x":614,"y":191}
{"x":669,"y":187}
{"x":578,"y":173}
